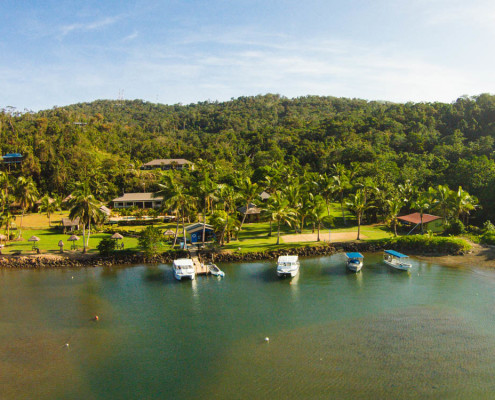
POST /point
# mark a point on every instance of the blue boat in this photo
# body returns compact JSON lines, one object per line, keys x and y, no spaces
{"x":354,"y":261}
{"x":396,"y":260}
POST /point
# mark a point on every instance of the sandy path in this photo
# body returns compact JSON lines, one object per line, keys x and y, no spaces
{"x":311,"y":237}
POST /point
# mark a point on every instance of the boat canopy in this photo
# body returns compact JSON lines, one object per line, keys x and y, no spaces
{"x":354,"y":255}
{"x":183,"y":262}
{"x":396,"y":254}
{"x":288,"y":259}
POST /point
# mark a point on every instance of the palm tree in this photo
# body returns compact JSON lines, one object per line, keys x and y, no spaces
{"x":341,"y":183}
{"x":26,"y":194}
{"x":442,"y":196}
{"x":205,"y":190}
{"x":178,"y":199}
{"x":49,"y":206}
{"x":6,"y":220}
{"x":87,"y":208}
{"x":357,"y":204}
{"x":394,"y":206}
{"x":463,"y":203}
{"x":249,"y":191}
{"x":422,"y":203}
{"x":281,"y":212}
{"x":326,"y":188}
{"x":228,"y":196}
{"x":319,"y":214}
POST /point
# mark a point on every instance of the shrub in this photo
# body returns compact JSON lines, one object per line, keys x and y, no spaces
{"x":488,"y":227}
{"x":430,"y":244}
{"x":151,"y":240}
{"x":488,"y":238}
{"x":106,"y":246}
{"x":455,"y":227}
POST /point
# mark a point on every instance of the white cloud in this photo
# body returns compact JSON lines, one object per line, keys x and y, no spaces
{"x":89,"y":26}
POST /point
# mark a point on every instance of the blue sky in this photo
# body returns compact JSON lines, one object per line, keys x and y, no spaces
{"x":183,"y":51}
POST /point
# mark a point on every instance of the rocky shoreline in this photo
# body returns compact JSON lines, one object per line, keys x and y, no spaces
{"x":95,"y":260}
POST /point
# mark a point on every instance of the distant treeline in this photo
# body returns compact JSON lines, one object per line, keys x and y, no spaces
{"x":105,"y":142}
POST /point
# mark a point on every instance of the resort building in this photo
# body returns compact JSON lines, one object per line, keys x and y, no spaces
{"x":167,"y":164}
{"x":69,"y":225}
{"x":252,"y":212}
{"x":139,"y":200}
{"x":11,"y":160}
{"x":432,"y":223}
{"x":195,"y":231}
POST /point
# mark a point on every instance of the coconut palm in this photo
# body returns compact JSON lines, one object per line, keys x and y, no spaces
{"x":319,"y":214}
{"x":84,"y":205}
{"x":249,"y":191}
{"x":422,"y":203}
{"x":25,"y":193}
{"x":228,"y":196}
{"x":341,"y":183}
{"x":281,"y":212}
{"x":463,"y":203}
{"x":442,"y":196}
{"x":205,"y":190}
{"x":394,"y":205}
{"x":49,"y":206}
{"x":358,"y":205}
{"x":6,"y":220}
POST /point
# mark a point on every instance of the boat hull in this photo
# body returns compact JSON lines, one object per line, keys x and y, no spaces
{"x":354,"y":267}
{"x":181,"y":277}
{"x":287,"y":274}
{"x":399,"y":266}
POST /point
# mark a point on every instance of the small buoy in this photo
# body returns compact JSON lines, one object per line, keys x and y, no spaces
{"x":67,"y":345}
{"x":267,"y":339}
{"x":72,"y":277}
{"x":97,"y":318}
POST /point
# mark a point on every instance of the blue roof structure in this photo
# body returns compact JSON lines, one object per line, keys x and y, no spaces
{"x":354,"y":255}
{"x":396,"y":254}
{"x":12,"y":155}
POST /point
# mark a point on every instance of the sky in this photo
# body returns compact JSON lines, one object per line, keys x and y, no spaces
{"x":55,"y":53}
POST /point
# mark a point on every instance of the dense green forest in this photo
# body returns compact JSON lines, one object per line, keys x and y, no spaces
{"x":105,"y":142}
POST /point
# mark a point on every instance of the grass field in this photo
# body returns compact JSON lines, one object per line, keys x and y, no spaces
{"x":254,"y":237}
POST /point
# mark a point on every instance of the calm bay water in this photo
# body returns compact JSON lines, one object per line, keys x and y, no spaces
{"x":381,"y":333}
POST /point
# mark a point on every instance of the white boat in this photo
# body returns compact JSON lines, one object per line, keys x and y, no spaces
{"x":396,"y":260}
{"x":184,"y":268}
{"x":214,"y":270}
{"x":287,"y":266}
{"x":354,"y":261}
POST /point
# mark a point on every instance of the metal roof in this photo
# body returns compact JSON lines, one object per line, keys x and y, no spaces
{"x":198,"y":227}
{"x":184,"y":262}
{"x":289,"y":259}
{"x":138,"y":197}
{"x":354,"y":255}
{"x":396,"y":254}
{"x":415,"y":218}
{"x":168,"y":161}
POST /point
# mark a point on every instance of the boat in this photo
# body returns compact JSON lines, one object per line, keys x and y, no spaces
{"x":354,"y":261}
{"x":287,"y":266}
{"x":396,"y":260}
{"x":214,"y":270}
{"x":184,"y":268}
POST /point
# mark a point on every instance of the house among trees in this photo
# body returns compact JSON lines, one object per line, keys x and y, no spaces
{"x":11,"y":159}
{"x":196,"y":232}
{"x":432,"y":223}
{"x":167,"y":164}
{"x":252,"y":212}
{"x":139,"y":200}
{"x":69,"y":225}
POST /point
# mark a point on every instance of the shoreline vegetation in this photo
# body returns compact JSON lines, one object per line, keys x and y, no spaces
{"x":451,"y":251}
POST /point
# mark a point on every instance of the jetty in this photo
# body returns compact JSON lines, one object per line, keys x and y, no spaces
{"x":200,"y":268}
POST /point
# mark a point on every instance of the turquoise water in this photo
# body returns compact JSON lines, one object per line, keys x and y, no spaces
{"x":381,"y":333}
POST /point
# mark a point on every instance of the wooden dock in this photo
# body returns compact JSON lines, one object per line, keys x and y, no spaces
{"x":200,"y":268}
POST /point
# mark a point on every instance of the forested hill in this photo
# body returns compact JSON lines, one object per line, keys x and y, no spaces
{"x":426,"y":143}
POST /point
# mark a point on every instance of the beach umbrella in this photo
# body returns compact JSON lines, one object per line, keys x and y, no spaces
{"x":73,"y":239}
{"x":3,"y":238}
{"x":117,"y":236}
{"x":169,"y":232}
{"x":34,"y":239}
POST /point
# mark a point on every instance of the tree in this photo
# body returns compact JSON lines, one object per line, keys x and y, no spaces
{"x":87,"y":208}
{"x":357,"y":204}
{"x":463,"y":203}
{"x":422,"y":203}
{"x":341,"y":184}
{"x":318,"y":214}
{"x":281,"y":212}
{"x":6,"y":220}
{"x":49,"y":206}
{"x":150,"y":240}
{"x":228,"y":196}
{"x":394,"y":205}
{"x":442,"y":200}
{"x":249,"y":191}
{"x":205,"y":190}
{"x":25,"y":195}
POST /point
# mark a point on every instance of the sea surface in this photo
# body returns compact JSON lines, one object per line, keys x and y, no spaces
{"x":378,"y":334}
